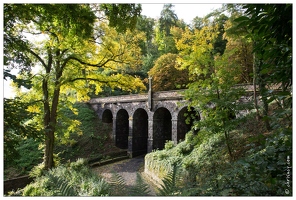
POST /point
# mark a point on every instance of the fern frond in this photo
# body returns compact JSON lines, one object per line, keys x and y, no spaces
{"x":140,"y":188}
{"x":169,"y":186}
{"x":62,"y":188}
{"x":118,"y":186}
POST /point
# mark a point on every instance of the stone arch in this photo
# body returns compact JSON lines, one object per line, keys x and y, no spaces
{"x":140,"y":132}
{"x":170,"y":106}
{"x":107,"y":116}
{"x":186,"y":117}
{"x":122,"y":129}
{"x":107,"y":119}
{"x":162,"y":127}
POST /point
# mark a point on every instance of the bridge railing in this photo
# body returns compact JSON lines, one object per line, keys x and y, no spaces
{"x":120,"y":98}
{"x":161,"y":95}
{"x":158,"y":96}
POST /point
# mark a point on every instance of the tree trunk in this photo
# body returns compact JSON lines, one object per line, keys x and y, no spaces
{"x":226,"y":135}
{"x":263,"y":93}
{"x":48,"y":153}
{"x":49,"y":135}
{"x":254,"y":86}
{"x":265,"y":108}
{"x":51,"y":120}
{"x":49,"y":141}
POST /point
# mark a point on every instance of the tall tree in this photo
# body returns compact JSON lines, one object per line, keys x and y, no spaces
{"x":239,"y":49}
{"x":149,"y":49}
{"x":146,"y":25}
{"x":167,"y":75}
{"x":122,"y":16}
{"x":211,"y":80}
{"x":218,"y":18}
{"x":197,"y":23}
{"x":272,"y":47}
{"x":16,"y":127}
{"x":168,"y":18}
{"x":69,"y":51}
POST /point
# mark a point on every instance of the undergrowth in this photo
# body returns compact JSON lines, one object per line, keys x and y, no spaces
{"x":92,"y":143}
{"x":89,"y":144}
{"x":259,"y":167}
{"x":77,"y":179}
{"x":29,"y":154}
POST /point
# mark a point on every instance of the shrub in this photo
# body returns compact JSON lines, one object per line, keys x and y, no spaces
{"x":30,"y":154}
{"x":168,"y":145}
{"x":73,"y":179}
{"x":37,"y":171}
{"x":184,"y":148}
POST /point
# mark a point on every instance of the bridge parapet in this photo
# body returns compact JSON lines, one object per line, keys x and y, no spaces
{"x":168,"y":95}
{"x":120,"y":98}
{"x":157,"y":96}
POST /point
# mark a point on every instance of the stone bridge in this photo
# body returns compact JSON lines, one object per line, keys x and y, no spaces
{"x":144,"y":122}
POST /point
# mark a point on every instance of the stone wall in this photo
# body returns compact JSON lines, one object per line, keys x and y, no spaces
{"x":16,"y":183}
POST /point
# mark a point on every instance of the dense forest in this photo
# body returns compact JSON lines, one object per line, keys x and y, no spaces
{"x":66,"y":54}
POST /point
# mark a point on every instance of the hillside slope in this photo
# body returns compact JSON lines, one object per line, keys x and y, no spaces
{"x":259,"y":165}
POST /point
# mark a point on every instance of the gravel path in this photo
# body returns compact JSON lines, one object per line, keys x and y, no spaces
{"x":128,"y":169}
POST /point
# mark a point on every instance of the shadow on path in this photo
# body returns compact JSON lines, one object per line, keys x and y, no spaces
{"x":127,"y":169}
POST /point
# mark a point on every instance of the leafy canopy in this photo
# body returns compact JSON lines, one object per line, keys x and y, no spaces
{"x":67,"y":53}
{"x":167,"y":75}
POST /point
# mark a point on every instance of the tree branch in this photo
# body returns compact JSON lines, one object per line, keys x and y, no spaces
{"x":90,"y":79}
{"x":39,"y":58}
{"x":99,"y":65}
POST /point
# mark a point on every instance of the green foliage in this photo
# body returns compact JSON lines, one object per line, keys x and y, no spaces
{"x":272,"y":47}
{"x":161,"y":162}
{"x":122,"y":16}
{"x":148,"y":63}
{"x":77,"y":179}
{"x":212,"y":88}
{"x":74,"y":179}
{"x":69,"y":62}
{"x":167,"y":75}
{"x":163,"y":32}
{"x":168,"y":19}
{"x":30,"y":154}
{"x":63,"y":188}
{"x":169,"y":186}
{"x":262,"y":167}
{"x":118,"y":184}
{"x":84,"y":116}
{"x":262,"y":172}
{"x":87,"y":139}
{"x":17,"y":125}
{"x":37,"y":171}
{"x":168,"y":145}
{"x":184,"y":148}
{"x":146,"y":25}
{"x":140,"y":188}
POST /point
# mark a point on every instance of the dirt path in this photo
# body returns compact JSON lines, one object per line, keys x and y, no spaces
{"x":128,"y":169}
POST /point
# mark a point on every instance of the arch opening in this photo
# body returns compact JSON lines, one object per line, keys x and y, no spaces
{"x":107,"y":116}
{"x":162,"y":127}
{"x":186,"y":117}
{"x":122,"y":129}
{"x":140,"y":132}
